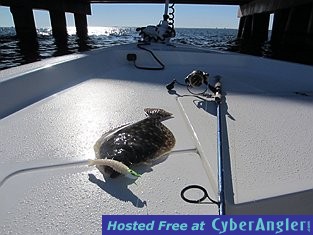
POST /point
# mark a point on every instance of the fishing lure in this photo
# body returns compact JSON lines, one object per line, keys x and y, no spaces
{"x":116,"y":166}
{"x":143,"y":141}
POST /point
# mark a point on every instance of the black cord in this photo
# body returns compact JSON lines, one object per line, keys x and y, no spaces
{"x":171,"y":21}
{"x":162,"y":66}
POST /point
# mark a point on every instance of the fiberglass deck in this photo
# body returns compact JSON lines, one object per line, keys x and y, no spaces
{"x":53,"y":115}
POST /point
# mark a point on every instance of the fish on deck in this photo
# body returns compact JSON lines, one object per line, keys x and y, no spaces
{"x":143,"y":141}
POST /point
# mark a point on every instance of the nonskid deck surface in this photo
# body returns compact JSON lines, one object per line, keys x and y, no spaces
{"x":48,"y":136}
{"x":39,"y":153}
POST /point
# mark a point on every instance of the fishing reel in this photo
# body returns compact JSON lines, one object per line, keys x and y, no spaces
{"x":196,"y":78}
{"x":193,"y":80}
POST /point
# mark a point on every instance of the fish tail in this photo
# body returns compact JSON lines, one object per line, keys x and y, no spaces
{"x":91,"y":162}
{"x":132,"y":174}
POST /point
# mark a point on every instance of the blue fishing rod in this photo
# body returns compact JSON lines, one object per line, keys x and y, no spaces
{"x":196,"y":79}
{"x":221,"y":194}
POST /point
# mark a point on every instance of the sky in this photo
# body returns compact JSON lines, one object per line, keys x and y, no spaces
{"x":138,"y":15}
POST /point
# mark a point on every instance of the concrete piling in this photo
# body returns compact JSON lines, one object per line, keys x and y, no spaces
{"x":292,"y":36}
{"x":58,"y":24}
{"x":254,"y":27}
{"x":24,"y":22}
{"x":279,"y":25}
{"x":297,"y":25}
{"x":59,"y":31}
{"x":81,"y":25}
{"x":292,"y":31}
{"x":22,"y":11}
{"x":26,"y":32}
{"x":259,"y":31}
{"x":247,"y":27}
{"x":240,"y":28}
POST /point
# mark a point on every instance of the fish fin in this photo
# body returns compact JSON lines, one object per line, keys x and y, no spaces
{"x":157,"y":113}
{"x":156,"y":160}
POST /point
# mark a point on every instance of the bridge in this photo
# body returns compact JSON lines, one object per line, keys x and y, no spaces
{"x":293,"y":19}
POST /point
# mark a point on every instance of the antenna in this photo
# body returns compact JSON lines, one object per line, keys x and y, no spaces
{"x":167,"y":2}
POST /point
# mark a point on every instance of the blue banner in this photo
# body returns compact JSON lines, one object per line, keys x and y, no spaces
{"x":205,"y":224}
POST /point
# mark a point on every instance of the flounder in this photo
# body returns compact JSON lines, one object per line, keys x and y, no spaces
{"x":135,"y":143}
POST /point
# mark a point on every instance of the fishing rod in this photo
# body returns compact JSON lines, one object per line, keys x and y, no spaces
{"x":195,"y":79}
{"x":220,"y":173}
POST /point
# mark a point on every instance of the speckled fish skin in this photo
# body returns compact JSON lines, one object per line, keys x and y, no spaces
{"x":142,"y":141}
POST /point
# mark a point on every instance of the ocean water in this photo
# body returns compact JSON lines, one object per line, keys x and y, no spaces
{"x":12,"y":54}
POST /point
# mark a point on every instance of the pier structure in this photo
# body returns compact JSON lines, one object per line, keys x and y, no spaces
{"x":292,"y":21}
{"x":22,"y":12}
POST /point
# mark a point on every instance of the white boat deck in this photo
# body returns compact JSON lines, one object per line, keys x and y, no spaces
{"x":53,"y":112}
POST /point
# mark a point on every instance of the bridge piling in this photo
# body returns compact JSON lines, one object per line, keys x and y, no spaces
{"x":26,"y":32}
{"x":81,"y":25}
{"x":297,"y":25}
{"x":260,"y":23}
{"x":240,"y":28}
{"x":254,"y":27}
{"x":58,"y":24}
{"x":24,"y":22}
{"x":279,"y":25}
{"x":247,"y":27}
{"x":59,"y":31}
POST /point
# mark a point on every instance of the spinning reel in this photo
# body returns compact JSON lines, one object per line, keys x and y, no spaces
{"x":195,"y":79}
